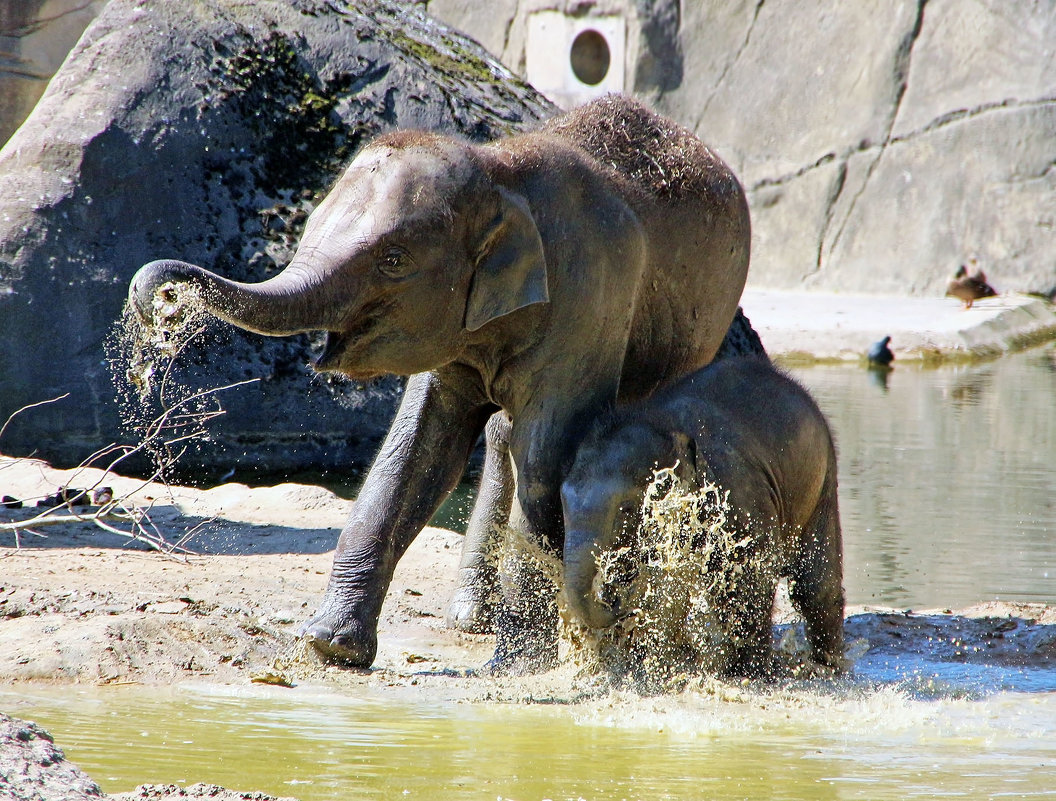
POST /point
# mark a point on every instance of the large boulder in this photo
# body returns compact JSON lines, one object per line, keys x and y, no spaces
{"x":882,"y":143}
{"x":206,"y":132}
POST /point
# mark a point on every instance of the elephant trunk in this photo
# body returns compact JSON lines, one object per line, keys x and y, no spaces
{"x":581,"y":567}
{"x":293,"y":301}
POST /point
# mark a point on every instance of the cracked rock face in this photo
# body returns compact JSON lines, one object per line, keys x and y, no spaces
{"x":882,"y":143}
{"x":208,"y":135}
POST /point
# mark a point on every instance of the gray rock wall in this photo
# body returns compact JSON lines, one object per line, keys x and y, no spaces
{"x":882,"y":142}
{"x":206,"y":132}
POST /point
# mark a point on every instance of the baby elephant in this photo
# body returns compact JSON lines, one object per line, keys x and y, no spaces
{"x":745,"y":427}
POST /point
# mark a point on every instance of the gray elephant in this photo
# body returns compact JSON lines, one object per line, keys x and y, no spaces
{"x":743,"y":426}
{"x":541,"y":277}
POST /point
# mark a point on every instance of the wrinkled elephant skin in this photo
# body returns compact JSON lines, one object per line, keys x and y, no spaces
{"x":541,"y":275}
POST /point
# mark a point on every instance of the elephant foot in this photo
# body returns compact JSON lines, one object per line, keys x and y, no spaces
{"x":349,"y":644}
{"x":526,"y":661}
{"x":471,"y":611}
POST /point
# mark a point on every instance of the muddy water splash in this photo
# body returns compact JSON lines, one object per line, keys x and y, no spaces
{"x":178,"y":317}
{"x":165,"y":414}
{"x":683,"y":555}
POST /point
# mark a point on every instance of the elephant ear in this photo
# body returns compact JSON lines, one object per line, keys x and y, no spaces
{"x":510,"y":269}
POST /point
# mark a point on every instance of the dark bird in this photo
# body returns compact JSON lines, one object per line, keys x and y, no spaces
{"x":880,"y":354}
{"x":969,"y":288}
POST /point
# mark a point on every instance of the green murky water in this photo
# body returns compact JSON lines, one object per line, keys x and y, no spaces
{"x":849,"y":743}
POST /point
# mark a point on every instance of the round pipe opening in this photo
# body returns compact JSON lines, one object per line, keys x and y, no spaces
{"x":590,"y":57}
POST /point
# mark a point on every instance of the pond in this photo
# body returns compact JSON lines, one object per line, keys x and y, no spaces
{"x":947,"y":479}
{"x":948,"y":498}
{"x":855,"y":741}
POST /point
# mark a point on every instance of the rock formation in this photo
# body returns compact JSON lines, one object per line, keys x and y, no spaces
{"x":208,"y":135}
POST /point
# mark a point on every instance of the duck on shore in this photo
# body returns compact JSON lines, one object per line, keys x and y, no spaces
{"x":968,"y":288}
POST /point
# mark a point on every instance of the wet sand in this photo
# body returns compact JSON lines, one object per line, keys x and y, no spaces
{"x":87,"y":606}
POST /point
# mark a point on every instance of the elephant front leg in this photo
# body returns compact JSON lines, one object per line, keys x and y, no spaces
{"x":526,"y":625}
{"x":422,"y":459}
{"x":473,"y":604}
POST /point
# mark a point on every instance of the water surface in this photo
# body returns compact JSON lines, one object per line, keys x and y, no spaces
{"x":947,"y":479}
{"x":844,"y":743}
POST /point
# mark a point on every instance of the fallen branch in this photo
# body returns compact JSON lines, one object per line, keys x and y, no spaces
{"x":167,"y":436}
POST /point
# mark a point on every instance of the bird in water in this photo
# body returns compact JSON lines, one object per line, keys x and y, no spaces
{"x":969,"y":288}
{"x":880,"y":354}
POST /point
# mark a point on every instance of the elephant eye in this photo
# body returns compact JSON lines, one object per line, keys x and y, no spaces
{"x":395,"y":262}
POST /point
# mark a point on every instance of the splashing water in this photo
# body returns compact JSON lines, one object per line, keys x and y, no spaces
{"x":178,"y":317}
{"x":165,"y":414}
{"x":683,"y":556}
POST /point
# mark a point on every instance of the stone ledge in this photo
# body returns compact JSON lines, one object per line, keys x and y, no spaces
{"x":805,"y":327}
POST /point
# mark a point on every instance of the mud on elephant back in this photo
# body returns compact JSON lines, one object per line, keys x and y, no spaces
{"x":532,"y":281}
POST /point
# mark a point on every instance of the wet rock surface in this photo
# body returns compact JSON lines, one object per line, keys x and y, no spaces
{"x":32,"y":768}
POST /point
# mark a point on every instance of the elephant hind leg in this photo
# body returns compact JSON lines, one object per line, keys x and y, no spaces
{"x":472,"y":606}
{"x":816,"y":582}
{"x":745,"y":605}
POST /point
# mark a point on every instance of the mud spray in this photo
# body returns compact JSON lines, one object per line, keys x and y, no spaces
{"x":683,"y":555}
{"x":165,"y":414}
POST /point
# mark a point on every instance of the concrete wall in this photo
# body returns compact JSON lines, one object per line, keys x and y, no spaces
{"x":35,"y":36}
{"x":882,"y":142}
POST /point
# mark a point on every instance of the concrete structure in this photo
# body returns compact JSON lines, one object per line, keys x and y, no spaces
{"x":35,"y":36}
{"x":881,"y":142}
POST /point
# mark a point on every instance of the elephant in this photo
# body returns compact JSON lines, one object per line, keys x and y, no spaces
{"x":743,"y":426}
{"x":538,"y":277}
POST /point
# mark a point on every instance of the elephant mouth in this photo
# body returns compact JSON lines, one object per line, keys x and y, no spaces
{"x":335,"y":346}
{"x":338,"y":353}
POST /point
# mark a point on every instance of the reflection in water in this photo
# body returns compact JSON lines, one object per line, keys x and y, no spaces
{"x":947,"y":480}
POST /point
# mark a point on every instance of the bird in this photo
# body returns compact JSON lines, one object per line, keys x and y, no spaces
{"x":969,"y":288}
{"x":880,"y":354}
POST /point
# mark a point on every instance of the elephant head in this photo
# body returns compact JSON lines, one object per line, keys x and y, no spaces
{"x":602,"y":498}
{"x":414,"y":248}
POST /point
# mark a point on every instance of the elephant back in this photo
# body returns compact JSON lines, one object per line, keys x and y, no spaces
{"x":656,"y":155}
